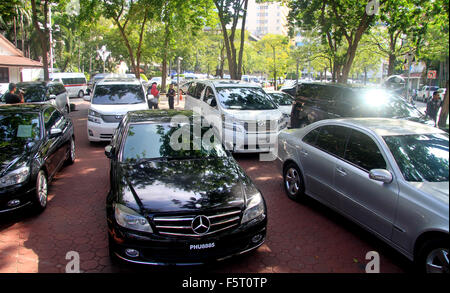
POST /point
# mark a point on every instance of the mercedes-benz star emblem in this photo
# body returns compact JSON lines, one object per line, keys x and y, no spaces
{"x":200,"y":225}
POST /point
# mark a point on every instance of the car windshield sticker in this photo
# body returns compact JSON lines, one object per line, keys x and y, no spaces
{"x":24,"y":131}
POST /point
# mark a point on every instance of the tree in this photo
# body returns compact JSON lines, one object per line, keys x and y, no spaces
{"x":43,"y":31}
{"x":276,"y":50}
{"x":131,"y":16}
{"x":336,"y":20}
{"x":229,"y":12}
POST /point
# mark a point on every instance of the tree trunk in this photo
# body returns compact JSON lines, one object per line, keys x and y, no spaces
{"x":391,"y":66}
{"x":43,"y":36}
{"x":164,"y":63}
{"x":241,"y":48}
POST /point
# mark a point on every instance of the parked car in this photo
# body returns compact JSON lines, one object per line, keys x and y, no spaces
{"x":426,"y":92}
{"x":74,"y":82}
{"x":94,"y":79}
{"x":42,"y":92}
{"x":245,"y":116}
{"x":318,"y":101}
{"x":35,"y":142}
{"x":284,"y":102}
{"x":185,"y":206}
{"x":388,"y":175}
{"x":111,"y":99}
{"x":157,"y":79}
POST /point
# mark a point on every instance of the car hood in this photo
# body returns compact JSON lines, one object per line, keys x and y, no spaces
{"x":254,"y":115}
{"x":118,"y":109}
{"x":183,"y":186}
{"x":438,"y":190}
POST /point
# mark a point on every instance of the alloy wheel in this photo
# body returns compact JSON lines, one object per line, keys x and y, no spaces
{"x":42,"y":189}
{"x":437,"y":261}
{"x":292,"y":181}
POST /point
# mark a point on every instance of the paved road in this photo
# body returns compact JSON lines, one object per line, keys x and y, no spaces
{"x":303,"y":238}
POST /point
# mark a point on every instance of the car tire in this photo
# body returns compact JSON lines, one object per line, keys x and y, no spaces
{"x":80,"y":94}
{"x":72,"y":155}
{"x":434,"y":256}
{"x":293,"y":182}
{"x":41,"y":193}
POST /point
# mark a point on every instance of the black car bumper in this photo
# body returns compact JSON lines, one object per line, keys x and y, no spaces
{"x":159,"y":250}
{"x":16,"y":197}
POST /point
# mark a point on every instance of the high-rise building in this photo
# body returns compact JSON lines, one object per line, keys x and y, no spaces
{"x":267,"y":18}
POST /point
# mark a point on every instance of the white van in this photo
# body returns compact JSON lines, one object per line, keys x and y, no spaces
{"x":74,"y":82}
{"x":243,"y":114}
{"x":111,"y":99}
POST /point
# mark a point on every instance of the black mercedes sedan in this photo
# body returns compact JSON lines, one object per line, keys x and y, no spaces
{"x":35,"y":141}
{"x":177,"y":197}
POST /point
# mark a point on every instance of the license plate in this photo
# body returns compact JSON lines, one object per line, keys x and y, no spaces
{"x":202,"y":246}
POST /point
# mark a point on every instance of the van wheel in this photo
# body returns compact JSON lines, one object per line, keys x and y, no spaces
{"x":80,"y":94}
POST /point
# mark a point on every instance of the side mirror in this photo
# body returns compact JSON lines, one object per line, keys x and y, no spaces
{"x":381,"y":175}
{"x":54,"y":132}
{"x":52,"y":97}
{"x":109,"y":151}
{"x":210,"y":100}
{"x":87,"y":98}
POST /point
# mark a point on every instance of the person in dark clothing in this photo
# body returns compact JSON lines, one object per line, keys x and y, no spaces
{"x":11,"y":97}
{"x":171,"y":95}
{"x":433,"y":106}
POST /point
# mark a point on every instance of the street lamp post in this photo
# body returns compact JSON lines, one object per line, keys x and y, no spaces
{"x":178,"y":79}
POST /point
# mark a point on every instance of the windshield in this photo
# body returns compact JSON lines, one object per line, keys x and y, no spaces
{"x":33,"y":93}
{"x":242,"y":98}
{"x":18,"y":128}
{"x":421,"y":157}
{"x":154,"y":141}
{"x":281,"y":99}
{"x":382,"y":104}
{"x":118,"y":94}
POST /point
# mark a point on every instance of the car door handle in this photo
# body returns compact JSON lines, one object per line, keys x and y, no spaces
{"x":341,"y":171}
{"x":303,"y":152}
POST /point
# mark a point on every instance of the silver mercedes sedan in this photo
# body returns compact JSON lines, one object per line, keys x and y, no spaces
{"x":389,"y":176}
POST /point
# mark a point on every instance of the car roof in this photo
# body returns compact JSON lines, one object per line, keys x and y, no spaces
{"x":21,"y":108}
{"x":119,"y":80}
{"x":161,"y":116}
{"x":232,"y":83}
{"x":386,"y":126}
{"x":67,"y":74}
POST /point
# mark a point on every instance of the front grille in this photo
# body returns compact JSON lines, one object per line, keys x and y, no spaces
{"x":260,"y":126}
{"x":180,"y":225}
{"x":112,"y":118}
{"x":106,"y":136}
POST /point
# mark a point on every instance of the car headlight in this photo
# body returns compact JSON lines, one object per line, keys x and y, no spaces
{"x":255,"y":208}
{"x":130,"y":219}
{"x":15,"y":177}
{"x":94,"y":116}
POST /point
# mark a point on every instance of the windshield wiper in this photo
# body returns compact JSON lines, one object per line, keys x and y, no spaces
{"x":161,"y":159}
{"x":187,"y":158}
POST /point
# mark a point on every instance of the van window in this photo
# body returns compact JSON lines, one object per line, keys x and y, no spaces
{"x":74,"y":80}
{"x":199,"y":90}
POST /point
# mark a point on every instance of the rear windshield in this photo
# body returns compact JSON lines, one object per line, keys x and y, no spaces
{"x":113,"y":94}
{"x":33,"y":93}
{"x":242,"y":98}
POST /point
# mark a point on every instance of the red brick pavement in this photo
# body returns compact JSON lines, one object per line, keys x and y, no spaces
{"x":301,"y":238}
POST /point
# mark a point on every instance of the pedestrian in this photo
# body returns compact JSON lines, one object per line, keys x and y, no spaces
{"x":171,"y":95}
{"x":11,"y":97}
{"x":433,"y":106}
{"x":153,"y":103}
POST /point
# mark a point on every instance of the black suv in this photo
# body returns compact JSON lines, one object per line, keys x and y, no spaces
{"x":317,"y":101}
{"x":174,"y":205}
